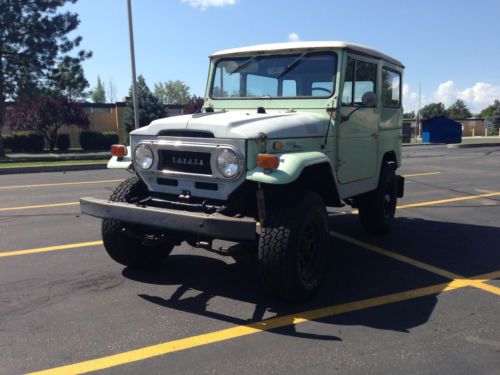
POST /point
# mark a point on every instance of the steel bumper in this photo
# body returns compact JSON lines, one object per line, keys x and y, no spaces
{"x":213,"y":225}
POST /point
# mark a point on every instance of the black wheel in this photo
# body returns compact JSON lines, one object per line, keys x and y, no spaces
{"x":377,"y":208}
{"x":292,"y":245}
{"x":129,"y":244}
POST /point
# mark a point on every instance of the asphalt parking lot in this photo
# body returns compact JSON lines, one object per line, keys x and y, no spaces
{"x":422,"y":299}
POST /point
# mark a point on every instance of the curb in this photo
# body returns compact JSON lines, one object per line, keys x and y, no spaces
{"x":53,"y":168}
{"x":473,"y":145}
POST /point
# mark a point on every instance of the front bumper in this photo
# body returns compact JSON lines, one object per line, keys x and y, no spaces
{"x":213,"y":225}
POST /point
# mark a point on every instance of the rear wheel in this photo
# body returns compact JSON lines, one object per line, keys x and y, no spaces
{"x":377,"y":208}
{"x":129,"y":244}
{"x":292,"y":245}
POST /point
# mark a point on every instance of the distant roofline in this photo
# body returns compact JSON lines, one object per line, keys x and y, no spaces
{"x":292,"y":46}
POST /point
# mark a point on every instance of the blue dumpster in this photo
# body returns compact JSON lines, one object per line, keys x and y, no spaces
{"x":441,"y":129}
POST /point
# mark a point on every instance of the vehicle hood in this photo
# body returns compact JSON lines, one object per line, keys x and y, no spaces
{"x":243,"y":124}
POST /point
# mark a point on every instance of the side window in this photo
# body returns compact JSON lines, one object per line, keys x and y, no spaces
{"x":365,"y":80}
{"x":360,"y":78}
{"x":348,"y":81}
{"x":391,"y":88}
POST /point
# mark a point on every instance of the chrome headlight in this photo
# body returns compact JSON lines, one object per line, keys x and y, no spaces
{"x":229,"y":163}
{"x":143,"y":156}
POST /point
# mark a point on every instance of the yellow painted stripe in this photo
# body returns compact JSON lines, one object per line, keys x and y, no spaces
{"x":449,"y":200}
{"x":421,"y":174}
{"x":59,"y":184}
{"x":487,"y":276}
{"x":416,"y":263}
{"x":440,"y":201}
{"x":239,"y":331}
{"x":393,"y":255}
{"x":39,"y":206}
{"x":50,"y":248}
{"x":480,"y":284}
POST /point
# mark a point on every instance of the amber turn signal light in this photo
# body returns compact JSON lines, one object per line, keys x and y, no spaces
{"x":119,"y":151}
{"x":268,"y":161}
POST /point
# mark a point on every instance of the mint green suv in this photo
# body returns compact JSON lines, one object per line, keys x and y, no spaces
{"x":286,"y":130}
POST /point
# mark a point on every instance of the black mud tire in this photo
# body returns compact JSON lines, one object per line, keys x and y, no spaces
{"x":292,"y":245}
{"x":377,"y":208}
{"x":123,"y":248}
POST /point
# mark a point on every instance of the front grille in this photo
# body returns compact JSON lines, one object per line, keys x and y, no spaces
{"x":185,"y":161}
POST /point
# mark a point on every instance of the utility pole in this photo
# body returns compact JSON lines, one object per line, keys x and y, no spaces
{"x":132,"y":58}
{"x":418,"y":112}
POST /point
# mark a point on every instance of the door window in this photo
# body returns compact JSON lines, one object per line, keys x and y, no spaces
{"x":391,"y":88}
{"x":360,"y":78}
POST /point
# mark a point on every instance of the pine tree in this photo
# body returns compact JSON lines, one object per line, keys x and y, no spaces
{"x":150,"y":108}
{"x":98,"y":95}
{"x":33,"y":42}
{"x":458,"y":110}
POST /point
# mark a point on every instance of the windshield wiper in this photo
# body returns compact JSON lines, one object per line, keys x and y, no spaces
{"x":293,"y":64}
{"x":244,"y":65}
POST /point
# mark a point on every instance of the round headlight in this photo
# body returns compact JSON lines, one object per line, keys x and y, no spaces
{"x":143,"y":156}
{"x":228,"y":163}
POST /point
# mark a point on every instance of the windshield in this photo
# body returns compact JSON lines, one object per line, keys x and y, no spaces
{"x":307,"y":74}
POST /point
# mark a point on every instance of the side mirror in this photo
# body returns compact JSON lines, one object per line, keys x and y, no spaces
{"x":369,"y":99}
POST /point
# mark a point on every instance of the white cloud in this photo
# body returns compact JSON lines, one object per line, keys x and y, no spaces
{"x":446,"y":93}
{"x":477,"y":97}
{"x":410,"y":99}
{"x":293,"y":37}
{"x":204,"y":4}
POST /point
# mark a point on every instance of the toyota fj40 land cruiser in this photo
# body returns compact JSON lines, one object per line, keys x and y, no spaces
{"x":286,"y":130}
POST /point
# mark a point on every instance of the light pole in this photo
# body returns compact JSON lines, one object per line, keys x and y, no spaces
{"x":132,"y":58}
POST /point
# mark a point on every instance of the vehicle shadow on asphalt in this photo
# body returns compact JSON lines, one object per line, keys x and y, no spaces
{"x":352,"y":274}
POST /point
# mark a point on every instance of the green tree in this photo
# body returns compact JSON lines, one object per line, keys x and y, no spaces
{"x":492,"y":110}
{"x":68,"y":79}
{"x":458,"y":110}
{"x":33,"y":42}
{"x":98,"y":95}
{"x":409,"y":115}
{"x":150,"y":107}
{"x":172,"y":92}
{"x":432,"y":110}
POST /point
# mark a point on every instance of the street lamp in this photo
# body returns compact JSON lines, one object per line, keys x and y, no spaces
{"x":132,"y":58}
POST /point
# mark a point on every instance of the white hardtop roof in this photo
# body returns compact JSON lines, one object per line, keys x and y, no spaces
{"x":292,"y":46}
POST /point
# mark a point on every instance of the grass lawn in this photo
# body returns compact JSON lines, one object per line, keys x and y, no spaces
{"x":31,"y":161}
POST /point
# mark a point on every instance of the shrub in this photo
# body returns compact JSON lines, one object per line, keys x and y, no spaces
{"x":110,"y":139}
{"x":10,"y":142}
{"x":21,"y":141}
{"x":63,"y":142}
{"x":90,"y":140}
{"x":34,"y":143}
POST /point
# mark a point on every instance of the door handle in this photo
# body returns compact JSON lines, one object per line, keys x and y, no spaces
{"x":374,"y":135}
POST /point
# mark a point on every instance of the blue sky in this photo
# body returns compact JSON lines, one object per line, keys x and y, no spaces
{"x":451,"y":47}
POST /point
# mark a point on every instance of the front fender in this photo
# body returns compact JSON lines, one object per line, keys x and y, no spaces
{"x":123,"y":163}
{"x":290,"y":168}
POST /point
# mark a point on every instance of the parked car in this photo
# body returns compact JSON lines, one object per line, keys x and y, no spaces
{"x":286,"y":130}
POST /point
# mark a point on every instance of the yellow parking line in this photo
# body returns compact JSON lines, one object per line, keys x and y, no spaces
{"x":59,"y":184}
{"x":39,"y":206}
{"x":50,"y":248}
{"x":431,"y":203}
{"x":421,"y":174}
{"x":401,"y":258}
{"x":457,"y":199}
{"x":245,"y":330}
{"x":439,"y":271}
